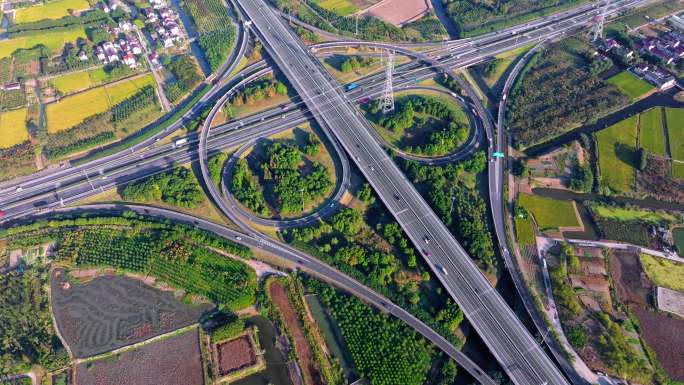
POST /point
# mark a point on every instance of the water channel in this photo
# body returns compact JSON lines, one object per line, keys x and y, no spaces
{"x":276,"y":368}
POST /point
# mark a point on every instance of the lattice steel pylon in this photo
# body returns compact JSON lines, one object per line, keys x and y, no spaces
{"x":596,"y":31}
{"x":387,"y":101}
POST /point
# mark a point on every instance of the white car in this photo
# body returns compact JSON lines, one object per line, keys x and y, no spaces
{"x":443,"y":270}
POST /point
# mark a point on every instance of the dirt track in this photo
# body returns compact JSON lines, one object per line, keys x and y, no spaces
{"x":309,"y":369}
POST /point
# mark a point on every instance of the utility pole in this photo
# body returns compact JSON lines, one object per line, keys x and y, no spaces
{"x":357,"y":25}
{"x":388,"y":94}
{"x":596,"y":31}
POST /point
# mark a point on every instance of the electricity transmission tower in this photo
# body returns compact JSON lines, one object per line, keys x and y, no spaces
{"x":387,"y":101}
{"x":596,"y":31}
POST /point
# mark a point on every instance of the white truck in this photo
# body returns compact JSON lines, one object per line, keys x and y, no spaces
{"x":179,"y":142}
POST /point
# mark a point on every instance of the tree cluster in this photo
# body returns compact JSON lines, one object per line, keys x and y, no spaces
{"x":177,"y":187}
{"x":356,"y":62}
{"x":405,"y":359}
{"x":578,"y":96}
{"x":461,"y":208}
{"x":284,"y":176}
{"x":244,"y":188}
{"x":257,"y":91}
{"x":26,"y":324}
{"x":185,"y":74}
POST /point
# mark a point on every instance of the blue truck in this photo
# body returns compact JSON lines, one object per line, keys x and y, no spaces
{"x":351,"y":86}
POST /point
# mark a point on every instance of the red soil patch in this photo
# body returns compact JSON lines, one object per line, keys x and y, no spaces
{"x":236,"y":354}
{"x":309,"y":368}
{"x":400,"y":12}
{"x":664,"y":334}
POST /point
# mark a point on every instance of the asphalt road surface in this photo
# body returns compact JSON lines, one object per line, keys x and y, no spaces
{"x":512,"y":345}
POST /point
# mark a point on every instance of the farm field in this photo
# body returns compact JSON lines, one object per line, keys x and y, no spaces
{"x":549,"y":213}
{"x":664,"y":272}
{"x":675,"y":129}
{"x":121,"y":311}
{"x":236,"y":354}
{"x":664,"y":335}
{"x":630,"y":85}
{"x":617,"y":154}
{"x":53,"y":40}
{"x":76,"y":81}
{"x":400,"y":12}
{"x":176,"y":360}
{"x":651,"y":135}
{"x":72,"y":110}
{"x":340,"y":7}
{"x":51,"y":10}
{"x":624,"y":214}
{"x":13,"y":128}
{"x":70,"y":83}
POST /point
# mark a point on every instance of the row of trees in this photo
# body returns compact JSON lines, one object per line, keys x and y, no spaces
{"x":85,"y":18}
{"x":98,"y":129}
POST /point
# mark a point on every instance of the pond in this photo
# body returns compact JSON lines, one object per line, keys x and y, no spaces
{"x":276,"y":367}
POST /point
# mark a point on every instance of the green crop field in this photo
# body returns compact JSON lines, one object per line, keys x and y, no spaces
{"x":675,"y":130}
{"x":678,"y":235}
{"x":651,"y":135}
{"x":549,"y":213}
{"x":52,"y":40}
{"x":617,"y":154}
{"x":72,"y":110}
{"x":13,"y":128}
{"x":524,"y":231}
{"x":340,"y":7}
{"x":664,"y":272}
{"x":623,"y":214}
{"x":51,"y":10}
{"x":630,"y":85}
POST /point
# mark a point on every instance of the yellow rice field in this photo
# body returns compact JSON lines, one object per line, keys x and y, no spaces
{"x":53,"y":41}
{"x":74,"y":109}
{"x":13,"y":128}
{"x":51,"y":10}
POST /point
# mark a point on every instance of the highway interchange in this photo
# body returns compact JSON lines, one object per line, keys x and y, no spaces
{"x":515,"y":349}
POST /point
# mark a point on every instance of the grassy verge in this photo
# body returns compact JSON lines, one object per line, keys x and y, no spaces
{"x":630,"y":85}
{"x":549,"y":213}
{"x":664,"y":272}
